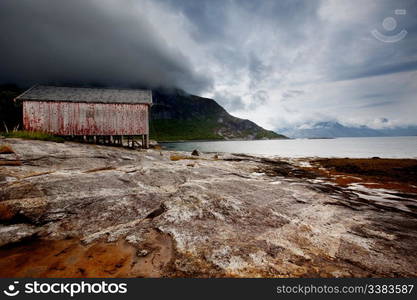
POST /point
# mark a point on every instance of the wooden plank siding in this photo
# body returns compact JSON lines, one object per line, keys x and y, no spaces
{"x":79,"y":118}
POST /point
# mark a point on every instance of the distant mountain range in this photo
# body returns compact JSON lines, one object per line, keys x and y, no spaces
{"x":335,"y":129}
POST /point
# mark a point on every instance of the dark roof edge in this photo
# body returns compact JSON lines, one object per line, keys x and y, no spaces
{"x":83,"y":87}
{"x":119,"y":102}
{"x":21,"y":96}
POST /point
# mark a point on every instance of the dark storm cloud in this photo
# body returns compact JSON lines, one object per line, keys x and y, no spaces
{"x":212,"y":18}
{"x":88,"y":42}
{"x":208,"y":17}
{"x":260,"y":59}
{"x":225,"y":26}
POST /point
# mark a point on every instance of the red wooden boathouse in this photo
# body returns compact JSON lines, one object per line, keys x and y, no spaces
{"x":106,"y":114}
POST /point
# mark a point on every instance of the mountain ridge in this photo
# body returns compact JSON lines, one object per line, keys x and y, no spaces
{"x":177,"y":115}
{"x":332,"y":129}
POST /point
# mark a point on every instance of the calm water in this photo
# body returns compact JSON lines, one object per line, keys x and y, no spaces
{"x":389,"y":147}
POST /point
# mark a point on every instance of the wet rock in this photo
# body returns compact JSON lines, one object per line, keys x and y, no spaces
{"x":142,"y":252}
{"x":16,"y":233}
{"x":154,"y":145}
{"x":196,"y":152}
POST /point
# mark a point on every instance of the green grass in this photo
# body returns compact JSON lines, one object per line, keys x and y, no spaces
{"x":33,"y":135}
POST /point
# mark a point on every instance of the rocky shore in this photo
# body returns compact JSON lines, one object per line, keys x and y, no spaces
{"x":78,"y":210}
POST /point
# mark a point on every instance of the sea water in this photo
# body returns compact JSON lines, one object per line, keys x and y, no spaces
{"x":384,"y":147}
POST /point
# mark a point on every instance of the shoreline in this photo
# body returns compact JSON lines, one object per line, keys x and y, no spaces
{"x":287,"y":138}
{"x":382,"y":147}
{"x":220,"y":140}
{"x":79,"y":210}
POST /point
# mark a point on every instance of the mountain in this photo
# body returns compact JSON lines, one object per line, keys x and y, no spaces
{"x":335,"y":129}
{"x":400,"y":131}
{"x":10,"y":111}
{"x":177,"y":115}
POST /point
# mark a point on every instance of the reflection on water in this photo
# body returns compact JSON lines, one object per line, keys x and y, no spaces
{"x":389,"y":147}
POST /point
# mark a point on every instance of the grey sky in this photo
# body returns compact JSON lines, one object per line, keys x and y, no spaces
{"x":278,"y":63}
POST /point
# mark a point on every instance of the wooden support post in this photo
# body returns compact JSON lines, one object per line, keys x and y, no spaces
{"x":146,"y":141}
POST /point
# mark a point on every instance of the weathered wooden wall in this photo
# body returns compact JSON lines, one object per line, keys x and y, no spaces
{"x":71,"y":118}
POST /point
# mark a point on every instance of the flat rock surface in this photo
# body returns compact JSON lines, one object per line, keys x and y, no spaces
{"x":78,"y":210}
